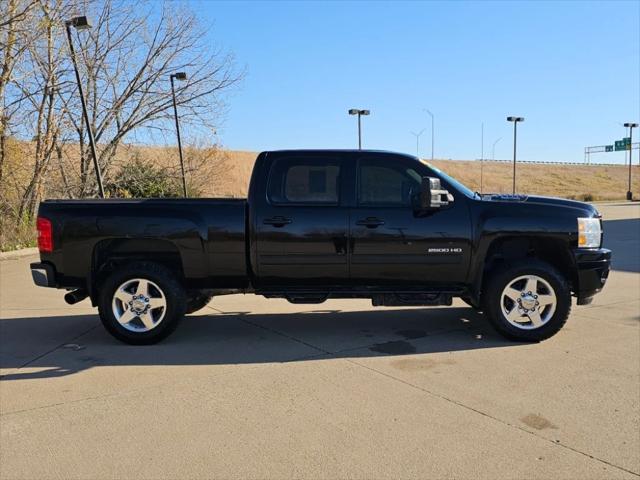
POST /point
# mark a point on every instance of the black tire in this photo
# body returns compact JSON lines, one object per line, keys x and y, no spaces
{"x":170,"y":287}
{"x":197,"y":301}
{"x":503,"y":276}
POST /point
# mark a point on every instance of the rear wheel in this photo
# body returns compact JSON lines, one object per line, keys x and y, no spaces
{"x":528,"y":301}
{"x":141,"y":303}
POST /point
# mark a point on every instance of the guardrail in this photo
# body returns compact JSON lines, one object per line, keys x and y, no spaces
{"x":546,"y":162}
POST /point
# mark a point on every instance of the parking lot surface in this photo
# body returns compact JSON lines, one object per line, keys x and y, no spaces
{"x":257,"y":388}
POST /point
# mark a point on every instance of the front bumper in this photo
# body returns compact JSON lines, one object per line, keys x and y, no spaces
{"x":592,"y":270}
{"x":44,"y":275}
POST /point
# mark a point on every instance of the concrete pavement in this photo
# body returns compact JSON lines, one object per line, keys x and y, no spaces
{"x":257,"y":388}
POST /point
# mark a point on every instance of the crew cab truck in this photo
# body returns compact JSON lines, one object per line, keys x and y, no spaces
{"x":321,"y":224}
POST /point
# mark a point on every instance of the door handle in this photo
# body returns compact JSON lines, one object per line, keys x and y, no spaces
{"x":370,"y":222}
{"x":277,"y":221}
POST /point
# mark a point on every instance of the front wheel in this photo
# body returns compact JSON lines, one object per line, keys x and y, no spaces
{"x":529,"y":301}
{"x":141,"y":303}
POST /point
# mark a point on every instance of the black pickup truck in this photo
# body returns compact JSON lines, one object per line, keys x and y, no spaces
{"x":321,"y":224}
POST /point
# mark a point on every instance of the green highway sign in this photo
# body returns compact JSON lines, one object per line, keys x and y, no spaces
{"x":608,"y":148}
{"x":624,"y":144}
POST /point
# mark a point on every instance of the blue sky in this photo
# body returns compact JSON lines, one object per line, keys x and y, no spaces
{"x":572,"y":69}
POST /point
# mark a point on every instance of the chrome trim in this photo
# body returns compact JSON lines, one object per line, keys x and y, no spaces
{"x":139,"y":305}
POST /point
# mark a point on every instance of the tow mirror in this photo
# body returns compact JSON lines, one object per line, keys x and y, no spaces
{"x":432,"y":195}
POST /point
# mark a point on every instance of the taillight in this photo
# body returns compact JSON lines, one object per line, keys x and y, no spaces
{"x":45,"y":235}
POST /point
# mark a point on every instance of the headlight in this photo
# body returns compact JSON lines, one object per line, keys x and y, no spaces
{"x":589,"y":232}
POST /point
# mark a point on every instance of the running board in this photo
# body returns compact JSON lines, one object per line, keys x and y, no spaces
{"x":410,"y":299}
{"x":307,"y":299}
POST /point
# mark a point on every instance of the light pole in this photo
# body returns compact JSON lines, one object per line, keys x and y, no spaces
{"x":481,"y":155}
{"x":81,"y":23}
{"x":493,"y":149}
{"x":355,"y":111}
{"x":418,"y":135}
{"x":178,"y":76}
{"x":481,"y":141}
{"x":432,"y":130}
{"x":631,"y":126}
{"x":515,"y":121}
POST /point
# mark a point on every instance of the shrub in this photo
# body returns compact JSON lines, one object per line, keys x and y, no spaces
{"x":138,"y":179}
{"x":587,"y":197}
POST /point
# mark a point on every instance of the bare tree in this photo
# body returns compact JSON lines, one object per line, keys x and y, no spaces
{"x":125,"y":62}
{"x":14,"y":12}
{"x":129,"y":54}
{"x":13,"y":43}
{"x":44,"y":63}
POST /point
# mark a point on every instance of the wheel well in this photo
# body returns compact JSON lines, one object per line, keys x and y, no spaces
{"x":108,"y":255}
{"x":552,"y":251}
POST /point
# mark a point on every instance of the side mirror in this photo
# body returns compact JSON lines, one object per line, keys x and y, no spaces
{"x":432,"y":195}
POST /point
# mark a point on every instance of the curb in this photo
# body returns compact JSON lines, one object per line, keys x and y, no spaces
{"x":24,"y":252}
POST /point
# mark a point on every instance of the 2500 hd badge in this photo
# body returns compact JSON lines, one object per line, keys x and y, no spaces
{"x":444,"y":250}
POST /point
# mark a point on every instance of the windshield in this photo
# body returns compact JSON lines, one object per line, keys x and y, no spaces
{"x":452,"y":181}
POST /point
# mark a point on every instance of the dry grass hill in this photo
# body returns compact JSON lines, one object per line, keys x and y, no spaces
{"x":584,"y":182}
{"x":213,"y":172}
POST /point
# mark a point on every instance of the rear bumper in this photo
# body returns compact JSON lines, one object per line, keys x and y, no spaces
{"x":592,"y":270}
{"x":44,"y":275}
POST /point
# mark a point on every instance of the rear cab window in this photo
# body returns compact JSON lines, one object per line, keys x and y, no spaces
{"x":304,"y":181}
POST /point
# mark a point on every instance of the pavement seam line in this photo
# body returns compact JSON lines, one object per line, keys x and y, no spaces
{"x":484,"y":414}
{"x":284,"y":335}
{"x":102,"y":396}
{"x":449,"y":400}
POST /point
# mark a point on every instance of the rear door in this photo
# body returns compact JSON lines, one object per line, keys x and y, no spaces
{"x":301,"y":229}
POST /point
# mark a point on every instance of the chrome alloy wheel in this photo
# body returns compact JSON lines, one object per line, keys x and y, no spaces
{"x":528,"y":302}
{"x":139,"y":305}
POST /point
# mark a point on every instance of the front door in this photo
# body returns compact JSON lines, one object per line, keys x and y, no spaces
{"x":301,"y":231}
{"x":392,"y":241}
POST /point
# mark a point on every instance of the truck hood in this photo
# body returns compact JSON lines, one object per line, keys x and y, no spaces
{"x":585,"y":208}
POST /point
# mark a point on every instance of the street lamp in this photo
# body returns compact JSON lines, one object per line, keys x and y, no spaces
{"x":178,"y":76}
{"x":355,"y":111}
{"x":515,"y":121}
{"x":493,"y":149}
{"x":432,"y":130}
{"x":81,"y":23}
{"x":631,"y":126}
{"x":418,"y":135}
{"x":493,"y":157}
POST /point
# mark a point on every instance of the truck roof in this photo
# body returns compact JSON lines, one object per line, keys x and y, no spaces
{"x":338,"y":150}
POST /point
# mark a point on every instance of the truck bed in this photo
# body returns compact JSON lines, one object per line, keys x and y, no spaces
{"x":207,"y":235}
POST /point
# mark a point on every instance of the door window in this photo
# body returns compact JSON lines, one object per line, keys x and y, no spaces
{"x":391,"y":185}
{"x":304,"y":181}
